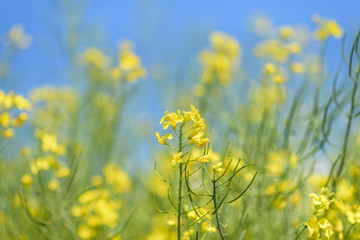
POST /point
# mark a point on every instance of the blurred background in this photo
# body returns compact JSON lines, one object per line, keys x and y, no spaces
{"x":167,"y":34}
{"x":99,"y":76}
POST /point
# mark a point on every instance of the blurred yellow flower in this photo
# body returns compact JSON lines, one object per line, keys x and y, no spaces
{"x":326,"y":28}
{"x":17,"y":37}
{"x":53,"y":185}
{"x":26,"y":180}
{"x":8,"y":133}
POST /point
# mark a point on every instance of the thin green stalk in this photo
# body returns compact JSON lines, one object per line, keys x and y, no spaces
{"x":352,"y":108}
{"x":217,"y":210}
{"x":180,"y":189}
{"x":348,"y":128}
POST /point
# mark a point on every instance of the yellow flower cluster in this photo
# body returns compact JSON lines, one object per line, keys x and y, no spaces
{"x":330,"y":211}
{"x":17,"y":38}
{"x":206,"y":227}
{"x":53,"y":107}
{"x":323,"y":201}
{"x":277,"y":50}
{"x":266,"y":97}
{"x":48,"y":162}
{"x":10,"y":103}
{"x":326,"y":28}
{"x":352,"y":213}
{"x":98,"y":208}
{"x":322,"y":204}
{"x":274,"y":72}
{"x":195,"y":134}
{"x":314,"y":227}
{"x":93,"y":56}
{"x":128,"y":64}
{"x":49,"y":143}
{"x":117,"y":178}
{"x":279,"y":160}
{"x":219,"y":62}
{"x":279,"y":190}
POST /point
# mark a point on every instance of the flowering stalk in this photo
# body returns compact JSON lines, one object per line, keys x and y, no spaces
{"x":188,"y":135}
{"x":180,"y":186}
{"x":216,"y":207}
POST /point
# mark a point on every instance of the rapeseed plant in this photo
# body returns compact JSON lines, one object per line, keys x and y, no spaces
{"x":269,"y":152}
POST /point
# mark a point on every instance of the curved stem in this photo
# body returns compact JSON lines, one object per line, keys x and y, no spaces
{"x":348,"y":127}
{"x":217,"y":210}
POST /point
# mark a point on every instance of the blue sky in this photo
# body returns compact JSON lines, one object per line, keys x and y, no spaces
{"x":160,"y":29}
{"x":168,"y":32}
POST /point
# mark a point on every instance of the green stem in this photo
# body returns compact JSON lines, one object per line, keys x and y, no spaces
{"x":348,"y":127}
{"x":180,"y":189}
{"x":216,"y":210}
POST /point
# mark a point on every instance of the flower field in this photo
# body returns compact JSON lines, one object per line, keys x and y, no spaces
{"x":242,"y":141}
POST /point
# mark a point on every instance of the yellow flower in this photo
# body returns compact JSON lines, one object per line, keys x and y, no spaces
{"x":53,"y":185}
{"x":197,"y":138}
{"x":204,"y":158}
{"x":352,"y":213}
{"x":162,"y":140}
{"x":220,"y":62}
{"x":297,"y":68}
{"x":8,"y":133}
{"x":273,"y":50}
{"x":326,"y":226}
{"x":85,"y":232}
{"x":130,"y":63}
{"x":217,"y":168}
{"x":96,"y":180}
{"x":278,"y":78}
{"x":286,"y":32}
{"x":26,"y":180}
{"x":206,"y":227}
{"x":77,"y":211}
{"x":63,"y":172}
{"x":326,"y":28}
{"x":95,"y":57}
{"x":128,"y":60}
{"x":294,"y":47}
{"x":270,"y":69}
{"x":171,"y":119}
{"x":22,"y":103}
{"x":117,"y":178}
{"x":117,"y":237}
{"x":49,"y":143}
{"x":176,"y":158}
{"x":276,"y":163}
{"x":345,"y":191}
{"x":339,"y":228}
{"x":115,"y":73}
{"x":321,"y":201}
{"x":25,"y":151}
{"x":19,"y":120}
{"x":17,"y":37}
{"x":199,"y":124}
{"x":193,"y":115}
{"x":5,"y":119}
{"x":313,"y":228}
{"x":294,"y":159}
